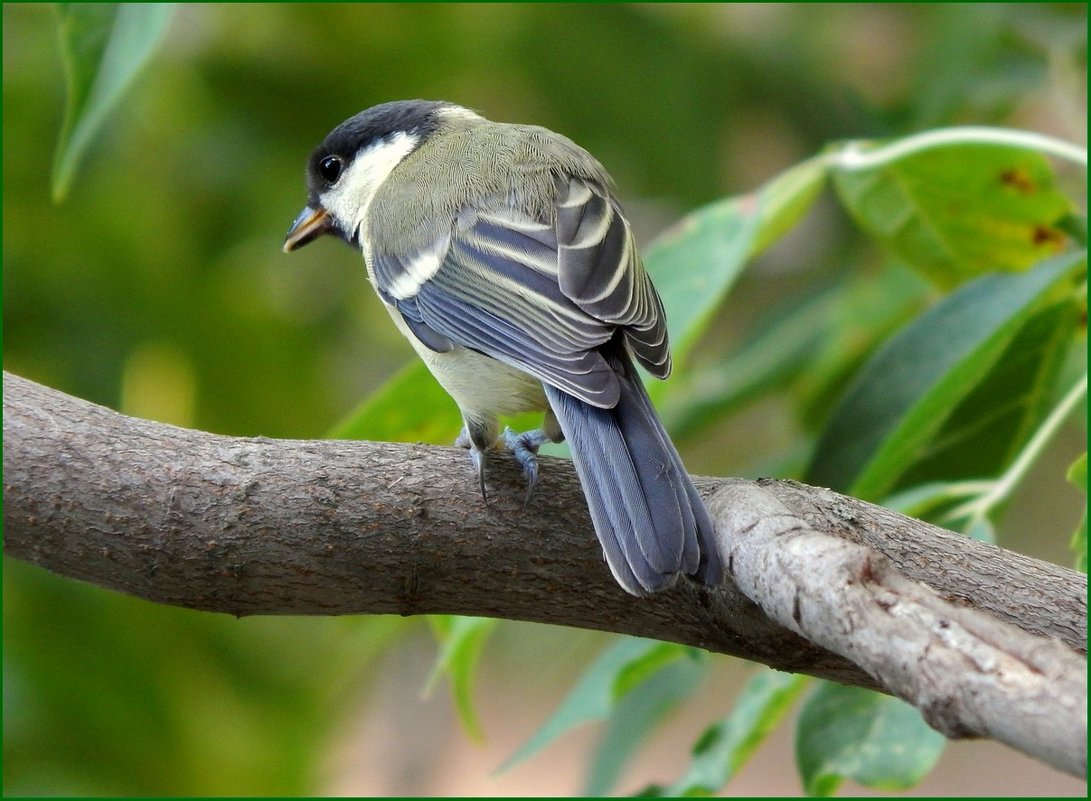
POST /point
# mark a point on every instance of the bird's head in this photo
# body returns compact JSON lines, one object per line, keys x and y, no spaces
{"x":353,"y":161}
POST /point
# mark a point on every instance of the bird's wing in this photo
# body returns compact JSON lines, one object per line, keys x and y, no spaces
{"x":540,"y":295}
{"x":601,"y":272}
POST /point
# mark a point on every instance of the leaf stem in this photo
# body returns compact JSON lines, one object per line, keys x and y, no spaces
{"x":1003,"y":486}
{"x":853,"y":156}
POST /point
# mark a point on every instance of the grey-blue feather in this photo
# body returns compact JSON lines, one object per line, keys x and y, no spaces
{"x":647,"y":513}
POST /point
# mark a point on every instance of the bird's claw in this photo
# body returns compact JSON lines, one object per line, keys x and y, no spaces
{"x":477,"y":456}
{"x":524,"y":447}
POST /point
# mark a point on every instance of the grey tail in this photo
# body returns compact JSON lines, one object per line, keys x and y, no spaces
{"x":648,"y":516}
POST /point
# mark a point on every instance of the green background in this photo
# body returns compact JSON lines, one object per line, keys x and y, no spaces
{"x":158,"y":288}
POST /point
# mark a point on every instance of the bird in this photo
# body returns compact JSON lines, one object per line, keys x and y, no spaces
{"x":503,"y":255}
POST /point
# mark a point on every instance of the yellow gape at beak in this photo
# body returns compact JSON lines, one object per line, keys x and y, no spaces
{"x":309,"y":225}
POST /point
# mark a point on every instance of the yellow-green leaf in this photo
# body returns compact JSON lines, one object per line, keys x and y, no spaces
{"x":104,"y":46}
{"x":959,"y":210}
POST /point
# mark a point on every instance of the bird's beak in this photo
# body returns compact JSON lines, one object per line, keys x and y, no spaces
{"x":309,"y":225}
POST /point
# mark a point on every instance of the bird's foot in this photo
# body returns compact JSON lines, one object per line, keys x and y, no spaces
{"x":477,"y":456}
{"x":524,"y":447}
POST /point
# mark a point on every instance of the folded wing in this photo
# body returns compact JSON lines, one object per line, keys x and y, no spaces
{"x":540,"y":295}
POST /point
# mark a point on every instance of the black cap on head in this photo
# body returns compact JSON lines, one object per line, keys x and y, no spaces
{"x":374,"y":124}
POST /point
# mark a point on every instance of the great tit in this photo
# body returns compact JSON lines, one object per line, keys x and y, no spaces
{"x":504,"y":257}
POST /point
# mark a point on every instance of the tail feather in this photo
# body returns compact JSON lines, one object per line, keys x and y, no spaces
{"x":710,"y":568}
{"x":645,"y":445}
{"x":617,"y":492}
{"x":647,"y":514}
{"x":607,"y":527}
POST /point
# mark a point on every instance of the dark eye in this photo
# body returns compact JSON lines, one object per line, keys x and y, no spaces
{"x":330,"y":168}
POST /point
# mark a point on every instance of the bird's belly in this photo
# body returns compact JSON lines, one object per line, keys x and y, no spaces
{"x":479,"y":383}
{"x":484,"y":385}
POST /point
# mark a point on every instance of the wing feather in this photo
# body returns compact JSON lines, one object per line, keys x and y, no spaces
{"x":541,"y":295}
{"x":601,"y":272}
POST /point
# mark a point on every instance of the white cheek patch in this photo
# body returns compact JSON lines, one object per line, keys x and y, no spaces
{"x":349,"y":200}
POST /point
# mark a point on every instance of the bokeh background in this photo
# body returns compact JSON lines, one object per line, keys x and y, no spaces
{"x":158,"y":288}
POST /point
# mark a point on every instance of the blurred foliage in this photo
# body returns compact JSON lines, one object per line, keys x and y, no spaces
{"x":726,"y":745}
{"x":158,"y":288}
{"x":611,"y":681}
{"x":850,"y":733}
{"x":104,"y":45}
{"x":462,"y":639}
{"x":989,"y":352}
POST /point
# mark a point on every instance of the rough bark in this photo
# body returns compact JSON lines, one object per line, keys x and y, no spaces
{"x":969,"y":673}
{"x":983,"y":640}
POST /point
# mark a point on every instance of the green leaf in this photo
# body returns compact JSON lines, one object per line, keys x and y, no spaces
{"x":958,"y":211}
{"x":104,"y":46}
{"x":726,"y":746}
{"x":805,"y":345}
{"x":410,"y":407}
{"x":875,"y":740}
{"x":636,"y":716}
{"x":933,"y":500}
{"x":979,"y":528}
{"x":781,"y":202}
{"x":1075,"y":226}
{"x":463,"y":639}
{"x":984,"y":432}
{"x":904,"y":409}
{"x":695,"y":263}
{"x":926,"y":500}
{"x":930,"y":500}
{"x":1077,"y":474}
{"x":871,"y":307}
{"x":772,"y":355}
{"x":595,"y":695}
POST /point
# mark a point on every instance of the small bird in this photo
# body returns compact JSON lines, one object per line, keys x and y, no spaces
{"x":503,"y":255}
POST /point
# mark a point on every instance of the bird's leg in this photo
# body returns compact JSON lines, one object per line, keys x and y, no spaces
{"x":524,"y":447}
{"x":478,"y":436}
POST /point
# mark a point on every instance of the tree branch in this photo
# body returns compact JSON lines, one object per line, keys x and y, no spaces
{"x":983,"y":640}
